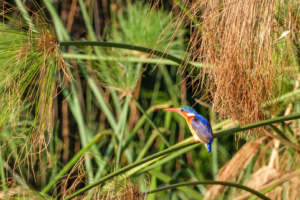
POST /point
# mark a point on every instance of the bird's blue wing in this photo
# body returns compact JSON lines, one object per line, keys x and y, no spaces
{"x":203,"y":129}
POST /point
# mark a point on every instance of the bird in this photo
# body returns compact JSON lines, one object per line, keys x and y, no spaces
{"x":199,"y":126}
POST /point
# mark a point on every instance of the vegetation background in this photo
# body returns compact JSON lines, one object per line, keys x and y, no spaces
{"x":86,"y":119}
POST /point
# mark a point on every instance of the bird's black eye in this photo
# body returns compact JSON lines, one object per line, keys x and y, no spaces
{"x":181,"y":110}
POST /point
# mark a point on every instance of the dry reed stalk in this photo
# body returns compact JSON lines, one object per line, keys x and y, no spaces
{"x":65,"y":130}
{"x":293,"y":188}
{"x":231,"y":169}
{"x":261,"y":177}
{"x":279,"y":180}
{"x":276,"y":172}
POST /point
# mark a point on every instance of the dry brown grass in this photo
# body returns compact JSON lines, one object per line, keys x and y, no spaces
{"x":236,"y":40}
{"x":279,"y":169}
{"x":273,"y":169}
{"x":261,"y":177}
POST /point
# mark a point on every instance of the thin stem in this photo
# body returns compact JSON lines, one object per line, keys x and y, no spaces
{"x":87,"y":20}
{"x":59,"y":27}
{"x":3,"y":179}
{"x":209,"y":183}
{"x":129,"y":59}
{"x":276,"y":130}
{"x":130,"y":47}
{"x":256,"y":124}
{"x":88,"y":24}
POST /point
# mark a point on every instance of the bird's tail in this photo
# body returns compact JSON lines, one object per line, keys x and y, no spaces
{"x":208,"y":146}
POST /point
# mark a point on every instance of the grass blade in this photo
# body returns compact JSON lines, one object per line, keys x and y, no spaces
{"x":122,"y":124}
{"x":151,"y":122}
{"x":209,"y":183}
{"x":2,"y":172}
{"x":129,"y":59}
{"x":130,"y":47}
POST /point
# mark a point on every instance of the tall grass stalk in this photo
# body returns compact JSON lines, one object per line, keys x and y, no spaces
{"x":121,"y":128}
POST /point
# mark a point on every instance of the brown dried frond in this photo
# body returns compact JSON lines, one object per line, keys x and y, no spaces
{"x":48,"y":45}
{"x":292,"y":177}
{"x":231,"y":169}
{"x":236,"y":40}
{"x":261,"y":177}
{"x":47,"y":42}
{"x":273,"y":169}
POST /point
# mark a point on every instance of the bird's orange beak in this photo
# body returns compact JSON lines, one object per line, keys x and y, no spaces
{"x":173,"y":110}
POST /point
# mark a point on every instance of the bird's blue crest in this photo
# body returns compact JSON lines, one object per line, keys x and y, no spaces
{"x":188,"y":109}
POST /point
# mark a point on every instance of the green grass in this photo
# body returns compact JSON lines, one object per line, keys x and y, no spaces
{"x":114,"y":91}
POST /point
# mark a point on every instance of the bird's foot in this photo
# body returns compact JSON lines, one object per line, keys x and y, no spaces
{"x":194,"y":140}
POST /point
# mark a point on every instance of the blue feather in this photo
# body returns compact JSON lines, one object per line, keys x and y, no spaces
{"x":204,"y":121}
{"x":208,"y":146}
{"x":188,"y":109}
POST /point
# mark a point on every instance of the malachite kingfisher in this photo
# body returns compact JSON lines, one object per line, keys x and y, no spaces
{"x":199,"y":126}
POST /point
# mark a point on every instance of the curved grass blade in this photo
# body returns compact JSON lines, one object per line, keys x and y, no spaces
{"x":209,"y":183}
{"x":168,"y":179}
